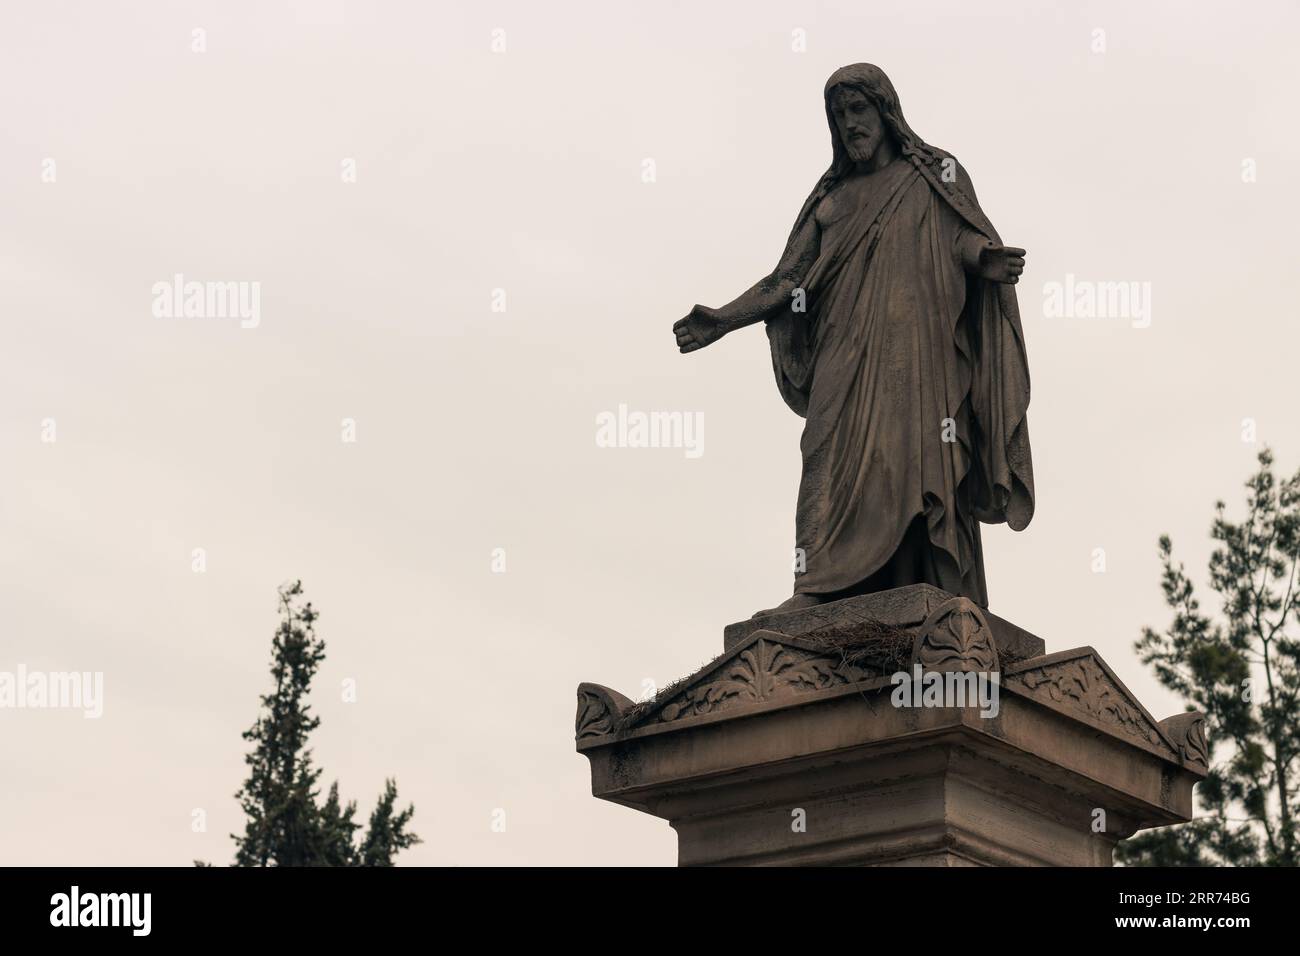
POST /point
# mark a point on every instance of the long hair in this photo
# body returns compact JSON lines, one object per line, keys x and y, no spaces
{"x":871,"y":82}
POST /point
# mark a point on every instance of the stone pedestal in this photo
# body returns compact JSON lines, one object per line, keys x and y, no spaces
{"x":799,"y":745}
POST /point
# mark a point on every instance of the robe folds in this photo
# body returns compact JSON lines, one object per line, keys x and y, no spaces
{"x":914,"y":382}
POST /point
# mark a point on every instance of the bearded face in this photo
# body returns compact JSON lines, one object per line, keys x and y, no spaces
{"x":862,"y":129}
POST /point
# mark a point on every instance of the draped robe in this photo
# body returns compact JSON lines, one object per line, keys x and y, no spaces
{"x":913,"y":379}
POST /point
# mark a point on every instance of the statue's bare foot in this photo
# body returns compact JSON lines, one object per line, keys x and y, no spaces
{"x":796,"y":602}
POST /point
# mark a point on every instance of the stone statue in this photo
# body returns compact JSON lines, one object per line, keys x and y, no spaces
{"x":895,"y":332}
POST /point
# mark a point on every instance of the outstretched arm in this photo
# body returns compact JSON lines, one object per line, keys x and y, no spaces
{"x":979,"y":255}
{"x":982,"y":257}
{"x":704,"y":325}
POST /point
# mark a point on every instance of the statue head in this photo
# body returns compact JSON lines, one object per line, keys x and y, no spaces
{"x":863,"y":112}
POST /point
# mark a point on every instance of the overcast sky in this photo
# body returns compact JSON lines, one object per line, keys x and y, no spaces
{"x":524,"y":170}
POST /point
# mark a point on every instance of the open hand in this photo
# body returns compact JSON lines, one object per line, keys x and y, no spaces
{"x":703,"y":326}
{"x":1002,"y":263}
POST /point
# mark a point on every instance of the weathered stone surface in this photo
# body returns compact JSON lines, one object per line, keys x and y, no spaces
{"x":1187,"y":734}
{"x":1079,"y":682}
{"x":904,"y":608}
{"x":956,"y":636}
{"x":766,"y":668}
{"x":599,"y":710}
{"x":792,"y":747}
{"x":784,"y":728}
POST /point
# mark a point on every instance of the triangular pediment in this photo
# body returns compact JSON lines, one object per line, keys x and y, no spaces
{"x":765,"y":667}
{"x":1079,"y":683}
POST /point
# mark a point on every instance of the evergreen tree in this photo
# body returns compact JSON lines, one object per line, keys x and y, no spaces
{"x":285,"y":825}
{"x":338,"y":831}
{"x":1243,"y":673}
{"x":278,"y":797}
{"x":387,"y":833}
